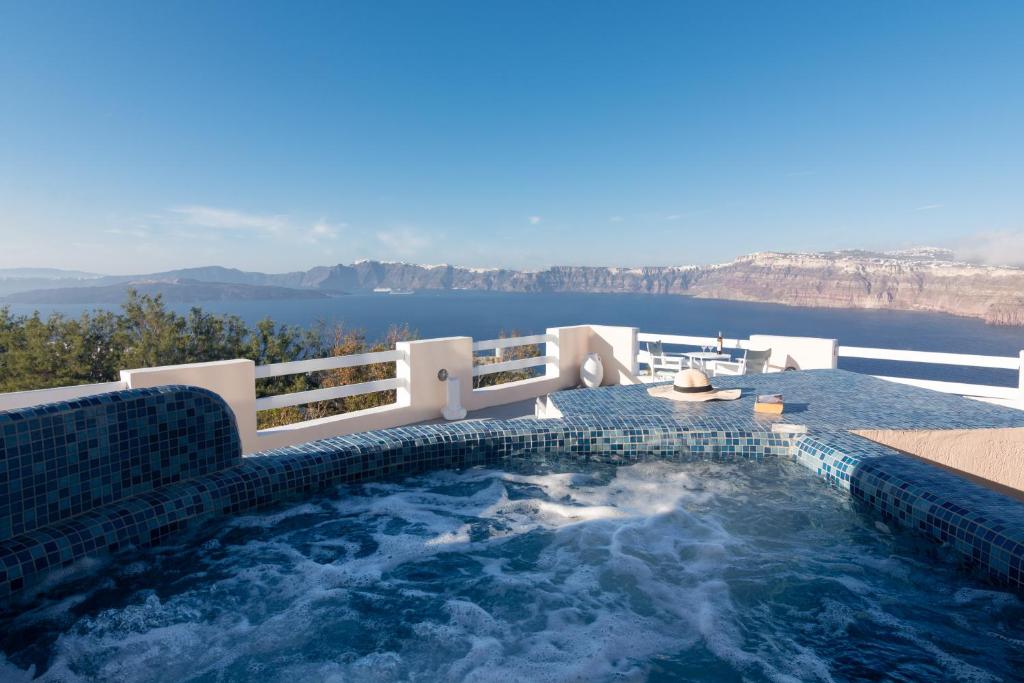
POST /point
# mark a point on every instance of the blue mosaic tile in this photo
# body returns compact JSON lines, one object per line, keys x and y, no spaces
{"x":292,"y":472}
{"x":616,"y":424}
{"x":820,"y":399}
{"x":984,"y":527}
{"x":60,"y":460}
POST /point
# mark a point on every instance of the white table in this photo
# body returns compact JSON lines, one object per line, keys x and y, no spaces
{"x":704,"y":360}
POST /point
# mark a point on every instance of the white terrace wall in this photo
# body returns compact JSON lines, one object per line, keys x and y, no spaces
{"x":25,"y":399}
{"x":796,"y":353}
{"x":421,"y":395}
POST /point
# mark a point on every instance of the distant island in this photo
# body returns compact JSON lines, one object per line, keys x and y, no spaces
{"x":925,"y":279}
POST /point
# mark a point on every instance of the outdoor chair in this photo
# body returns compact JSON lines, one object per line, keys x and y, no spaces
{"x":752,"y":363}
{"x":662,"y":362}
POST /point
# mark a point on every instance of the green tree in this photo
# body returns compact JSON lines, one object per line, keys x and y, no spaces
{"x":37,"y":353}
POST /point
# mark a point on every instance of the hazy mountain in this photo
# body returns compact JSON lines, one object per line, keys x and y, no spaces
{"x":45,"y":274}
{"x":922,"y":279}
{"x":180,"y":291}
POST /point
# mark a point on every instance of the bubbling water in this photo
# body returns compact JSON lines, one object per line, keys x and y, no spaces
{"x":555,"y":571}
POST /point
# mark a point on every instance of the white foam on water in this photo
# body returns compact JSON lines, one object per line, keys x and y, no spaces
{"x":484,"y":575}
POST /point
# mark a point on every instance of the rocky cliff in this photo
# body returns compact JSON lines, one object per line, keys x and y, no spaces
{"x":922,"y":280}
{"x":919,"y":280}
{"x":914,"y":280}
{"x":995,"y":294}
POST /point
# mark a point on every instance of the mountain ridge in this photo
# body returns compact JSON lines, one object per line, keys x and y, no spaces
{"x":173,"y":291}
{"x":920,"y":279}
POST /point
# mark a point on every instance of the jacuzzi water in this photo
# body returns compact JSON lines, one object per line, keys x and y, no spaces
{"x":545,"y":571}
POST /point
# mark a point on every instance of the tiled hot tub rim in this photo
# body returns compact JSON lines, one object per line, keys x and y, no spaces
{"x":286,"y":474}
{"x":986,"y":528}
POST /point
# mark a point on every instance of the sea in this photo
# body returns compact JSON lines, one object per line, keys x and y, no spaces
{"x":484,"y":315}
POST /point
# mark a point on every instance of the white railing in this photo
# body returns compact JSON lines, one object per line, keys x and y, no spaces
{"x":418,"y":367}
{"x":1014,"y":394}
{"x":938,"y":358}
{"x":970,"y":360}
{"x":25,"y":399}
{"x":330,"y":393}
{"x":682,"y":340}
{"x":971,"y":390}
{"x":644,"y":357}
{"x":519,"y":364}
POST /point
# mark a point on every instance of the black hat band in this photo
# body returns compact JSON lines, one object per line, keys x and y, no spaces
{"x":693,"y":390}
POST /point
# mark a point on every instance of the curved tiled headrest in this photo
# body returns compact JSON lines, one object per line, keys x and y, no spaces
{"x":58,"y":460}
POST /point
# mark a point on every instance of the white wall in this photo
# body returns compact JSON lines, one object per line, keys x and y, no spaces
{"x":796,"y":353}
{"x":423,"y":396}
{"x":25,"y":399}
{"x":618,"y":348}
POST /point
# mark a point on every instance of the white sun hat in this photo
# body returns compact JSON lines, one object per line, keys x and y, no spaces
{"x":693,"y":385}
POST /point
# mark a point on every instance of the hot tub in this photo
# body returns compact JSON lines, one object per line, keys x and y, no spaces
{"x":630,"y":538}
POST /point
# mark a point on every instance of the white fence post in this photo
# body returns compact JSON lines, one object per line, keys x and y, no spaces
{"x":1020,"y":373}
{"x":569,"y":352}
{"x":423,"y":394}
{"x":553,"y":351}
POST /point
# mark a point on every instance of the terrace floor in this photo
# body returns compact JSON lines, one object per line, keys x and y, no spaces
{"x":820,"y":399}
{"x":506,"y":412}
{"x":856,"y":413}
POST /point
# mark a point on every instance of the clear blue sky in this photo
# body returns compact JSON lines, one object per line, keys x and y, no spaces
{"x":278,"y":136}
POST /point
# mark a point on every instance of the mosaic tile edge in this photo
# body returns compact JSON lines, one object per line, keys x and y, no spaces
{"x":985,"y":528}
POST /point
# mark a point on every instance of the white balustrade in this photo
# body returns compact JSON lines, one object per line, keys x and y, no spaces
{"x":970,"y":360}
{"x":519,"y":363}
{"x":972,"y":390}
{"x":941,"y":358}
{"x":330,"y":363}
{"x":509,"y":342}
{"x":682,"y":340}
{"x":328,"y":393}
{"x":1012,"y":394}
{"x":417,"y":364}
{"x":297,"y":398}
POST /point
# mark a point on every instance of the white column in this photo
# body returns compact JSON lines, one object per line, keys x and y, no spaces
{"x":425,"y":395}
{"x":1020,"y":373}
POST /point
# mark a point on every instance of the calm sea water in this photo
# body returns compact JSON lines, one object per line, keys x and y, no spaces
{"x":485,"y":314}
